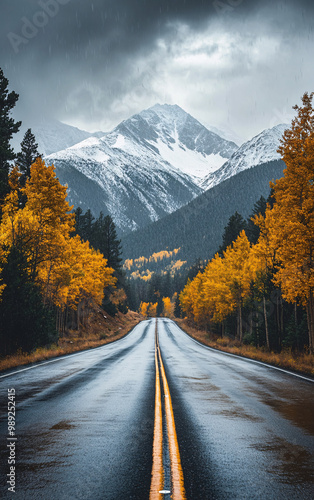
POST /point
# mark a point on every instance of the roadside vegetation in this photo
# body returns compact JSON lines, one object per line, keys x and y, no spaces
{"x":99,"y":330}
{"x":57,"y":266}
{"x":259,"y":290}
{"x":302,"y":362}
{"x":64,"y":286}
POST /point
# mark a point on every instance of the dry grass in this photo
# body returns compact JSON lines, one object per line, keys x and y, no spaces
{"x":301,"y":362}
{"x":100,"y":329}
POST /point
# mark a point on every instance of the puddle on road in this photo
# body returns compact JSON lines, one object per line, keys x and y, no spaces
{"x":298,"y":411}
{"x":219,"y":402}
{"x":238,"y":412}
{"x":37,"y":448}
{"x":63,"y":425}
{"x":295,"y":406}
{"x":290,"y":463}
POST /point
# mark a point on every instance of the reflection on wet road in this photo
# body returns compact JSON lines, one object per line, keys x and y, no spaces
{"x":85,"y":423}
{"x":246,"y":431}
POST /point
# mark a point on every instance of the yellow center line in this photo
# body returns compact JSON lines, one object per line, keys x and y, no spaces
{"x":157,"y":481}
{"x":177,"y":480}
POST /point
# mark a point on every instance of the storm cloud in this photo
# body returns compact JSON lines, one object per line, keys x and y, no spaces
{"x":238,"y":64}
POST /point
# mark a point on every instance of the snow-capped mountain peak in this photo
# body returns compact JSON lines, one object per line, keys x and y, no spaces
{"x":53,"y":136}
{"x":153,"y":163}
{"x":261,"y":149}
{"x":136,"y":184}
{"x":179,"y":139}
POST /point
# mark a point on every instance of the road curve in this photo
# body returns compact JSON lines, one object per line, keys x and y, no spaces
{"x":85,"y":423}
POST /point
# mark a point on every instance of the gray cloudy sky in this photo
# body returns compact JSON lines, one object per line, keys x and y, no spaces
{"x":238,"y":64}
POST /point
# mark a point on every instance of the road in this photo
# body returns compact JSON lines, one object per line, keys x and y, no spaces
{"x":85,"y":423}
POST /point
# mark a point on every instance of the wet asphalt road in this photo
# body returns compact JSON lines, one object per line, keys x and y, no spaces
{"x":85,"y":423}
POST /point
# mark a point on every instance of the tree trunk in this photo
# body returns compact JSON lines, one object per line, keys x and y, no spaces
{"x":251,"y":324}
{"x":257,"y":330}
{"x":282,"y":321}
{"x":78,"y":316}
{"x":278,"y":322}
{"x":310,"y":320}
{"x":240,"y":323}
{"x":296,"y":325}
{"x":266,"y":323}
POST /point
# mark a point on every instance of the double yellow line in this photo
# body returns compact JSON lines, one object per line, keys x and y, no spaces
{"x":157,"y":482}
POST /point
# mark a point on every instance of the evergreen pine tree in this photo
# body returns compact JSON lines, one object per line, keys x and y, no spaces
{"x":25,"y":323}
{"x":235,"y":225}
{"x":8,"y":127}
{"x":87,"y":227}
{"x":78,"y":221}
{"x":177,"y":307}
{"x":27,"y":156}
{"x":253,"y":231}
{"x":106,"y":241}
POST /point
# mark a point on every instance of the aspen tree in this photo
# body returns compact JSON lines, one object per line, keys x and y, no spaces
{"x":293,"y":212}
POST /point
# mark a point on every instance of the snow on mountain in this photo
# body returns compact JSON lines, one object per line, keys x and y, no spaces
{"x":137,"y":186}
{"x":53,"y":135}
{"x":179,"y":139}
{"x":152,"y":164}
{"x":148,"y":166}
{"x":261,"y":149}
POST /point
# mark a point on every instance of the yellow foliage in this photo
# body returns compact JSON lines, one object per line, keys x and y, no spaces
{"x":118,"y":297}
{"x":128,"y":264}
{"x":152,"y":310}
{"x":168,"y":307}
{"x":177,"y":265}
{"x":146,"y":277}
{"x":148,"y":309}
{"x":293,"y":211}
{"x":223,"y":286}
{"x":156,"y":257}
{"x":66,"y":269}
{"x":144,"y":308}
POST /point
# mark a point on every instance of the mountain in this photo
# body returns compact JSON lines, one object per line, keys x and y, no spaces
{"x":147,"y":167}
{"x":226,"y":133}
{"x":178,"y":139}
{"x":261,"y":149}
{"x":197,"y":228}
{"x":121,"y":175}
{"x":53,"y":135}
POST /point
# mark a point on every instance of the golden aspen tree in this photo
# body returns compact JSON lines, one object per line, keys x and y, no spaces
{"x":264,"y":255}
{"x":201,"y":311}
{"x":66,"y":269}
{"x":81,"y":274}
{"x":10,"y":209}
{"x":189,"y":297}
{"x":152,"y":309}
{"x":241,"y":271}
{"x":46,"y":198}
{"x":143,"y":310}
{"x":186,"y":301}
{"x":223,"y":287}
{"x":293,"y":212}
{"x":167,"y":307}
{"x":218,"y":298}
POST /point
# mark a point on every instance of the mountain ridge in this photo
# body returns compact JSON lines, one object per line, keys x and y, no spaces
{"x":197,"y":227}
{"x":261,"y":148}
{"x":138,"y":167}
